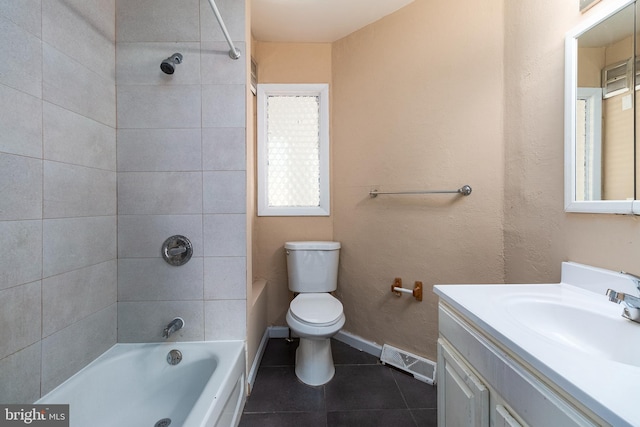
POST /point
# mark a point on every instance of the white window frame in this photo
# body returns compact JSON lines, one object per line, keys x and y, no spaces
{"x":322,"y":92}
{"x":592,"y":182}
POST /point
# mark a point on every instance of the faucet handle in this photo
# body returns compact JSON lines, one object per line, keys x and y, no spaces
{"x":615,"y":296}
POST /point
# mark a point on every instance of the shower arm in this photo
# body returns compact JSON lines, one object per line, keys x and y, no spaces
{"x":233,"y":52}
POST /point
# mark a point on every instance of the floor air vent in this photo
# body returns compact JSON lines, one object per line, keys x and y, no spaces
{"x":421,"y":369}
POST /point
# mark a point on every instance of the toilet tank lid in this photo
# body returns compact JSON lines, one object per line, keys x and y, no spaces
{"x":317,"y":245}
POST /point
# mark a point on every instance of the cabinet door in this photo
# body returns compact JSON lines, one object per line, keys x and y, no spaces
{"x":504,"y":418}
{"x":463,"y":401}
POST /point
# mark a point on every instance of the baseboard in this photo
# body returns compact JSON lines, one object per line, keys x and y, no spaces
{"x":359,"y":343}
{"x":251,"y":378}
{"x":278,"y":332}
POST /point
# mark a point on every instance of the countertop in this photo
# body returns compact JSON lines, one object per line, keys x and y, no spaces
{"x":596,"y":374}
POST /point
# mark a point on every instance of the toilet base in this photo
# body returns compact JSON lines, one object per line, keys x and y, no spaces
{"x":314,"y":361}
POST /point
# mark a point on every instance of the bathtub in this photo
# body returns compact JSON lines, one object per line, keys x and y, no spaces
{"x":134,"y":385}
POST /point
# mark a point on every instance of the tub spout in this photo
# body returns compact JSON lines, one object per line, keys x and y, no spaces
{"x":174,"y":325}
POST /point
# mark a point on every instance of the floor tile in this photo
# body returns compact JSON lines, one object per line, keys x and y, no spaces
{"x":343,"y":354}
{"x":417,"y":394}
{"x":277,"y":389}
{"x":363,"y":387}
{"x":425,"y":417}
{"x":284,"y":419}
{"x":369,"y":418}
{"x":280,"y":352}
{"x":363,"y":393}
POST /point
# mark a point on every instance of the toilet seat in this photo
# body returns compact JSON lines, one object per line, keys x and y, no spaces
{"x":316,"y":309}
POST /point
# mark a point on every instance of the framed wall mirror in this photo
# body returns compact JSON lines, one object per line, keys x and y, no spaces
{"x":600,"y":112}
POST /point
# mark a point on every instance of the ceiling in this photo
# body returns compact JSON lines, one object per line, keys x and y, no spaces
{"x":315,"y":21}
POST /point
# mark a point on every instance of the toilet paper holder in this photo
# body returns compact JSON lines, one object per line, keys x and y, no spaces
{"x":398,"y":290}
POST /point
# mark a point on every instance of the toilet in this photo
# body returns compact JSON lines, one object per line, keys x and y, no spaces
{"x":314,"y":314}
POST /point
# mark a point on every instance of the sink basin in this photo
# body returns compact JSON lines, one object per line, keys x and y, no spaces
{"x":591,"y":325}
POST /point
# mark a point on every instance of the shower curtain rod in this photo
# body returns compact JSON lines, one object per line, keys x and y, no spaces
{"x":233,"y":53}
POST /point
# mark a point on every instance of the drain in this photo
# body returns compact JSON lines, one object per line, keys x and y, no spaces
{"x":163,"y":422}
{"x":174,"y":357}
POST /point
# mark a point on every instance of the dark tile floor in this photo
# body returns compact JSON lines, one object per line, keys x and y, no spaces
{"x":363,"y":392}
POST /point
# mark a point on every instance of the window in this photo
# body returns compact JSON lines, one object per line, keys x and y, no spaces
{"x":293,"y":149}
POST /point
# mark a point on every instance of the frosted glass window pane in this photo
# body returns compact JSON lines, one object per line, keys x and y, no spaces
{"x":293,"y":144}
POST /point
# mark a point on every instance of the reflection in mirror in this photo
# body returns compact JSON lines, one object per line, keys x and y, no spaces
{"x":600,"y":119}
{"x":636,"y":81}
{"x":604,"y":110}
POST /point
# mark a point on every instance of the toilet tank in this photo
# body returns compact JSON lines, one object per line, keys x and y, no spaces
{"x":312,"y":266}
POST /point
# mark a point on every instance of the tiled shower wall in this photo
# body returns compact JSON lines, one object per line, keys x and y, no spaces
{"x":181,"y":169}
{"x":57,"y":191}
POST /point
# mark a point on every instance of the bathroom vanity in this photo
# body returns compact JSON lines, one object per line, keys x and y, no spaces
{"x":538,"y":355}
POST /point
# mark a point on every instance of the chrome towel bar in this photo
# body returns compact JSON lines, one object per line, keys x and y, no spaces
{"x":465,"y":190}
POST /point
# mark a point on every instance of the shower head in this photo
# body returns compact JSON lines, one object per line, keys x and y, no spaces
{"x":168,"y":66}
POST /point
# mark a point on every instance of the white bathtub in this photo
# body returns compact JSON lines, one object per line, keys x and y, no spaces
{"x":133,"y":385}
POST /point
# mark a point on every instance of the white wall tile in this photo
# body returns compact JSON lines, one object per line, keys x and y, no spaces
{"x":218,"y":67}
{"x":77,"y":88}
{"x":224,"y":192}
{"x":21,"y":123}
{"x":72,"y":191}
{"x":20,"y":376}
{"x":72,"y":243}
{"x":225,"y":278}
{"x":144,"y":321}
{"x":24,"y":13}
{"x":232,"y":12}
{"x":225,"y":235}
{"x":71,"y":349}
{"x":139,"y":64}
{"x":24,"y":240}
{"x":223,"y":149}
{"x":83,"y":30}
{"x":223,"y":106}
{"x":157,"y":150}
{"x":72,"y":138}
{"x":21,"y":53}
{"x":153,"y":279}
{"x":70,"y":297}
{"x":21,"y":179}
{"x":157,"y":20}
{"x":225,"y":320}
{"x":159,"y":193}
{"x":159,"y":107}
{"x":20,"y":317}
{"x":141,"y":236}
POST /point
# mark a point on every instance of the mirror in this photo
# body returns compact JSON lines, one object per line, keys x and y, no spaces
{"x":600,"y":118}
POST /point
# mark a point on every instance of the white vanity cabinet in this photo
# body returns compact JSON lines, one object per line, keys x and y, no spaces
{"x":480,"y":384}
{"x":463,"y":399}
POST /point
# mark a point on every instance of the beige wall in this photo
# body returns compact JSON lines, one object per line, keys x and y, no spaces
{"x":287,"y":63}
{"x":539,"y":235}
{"x":435,"y":96}
{"x":417,"y":104}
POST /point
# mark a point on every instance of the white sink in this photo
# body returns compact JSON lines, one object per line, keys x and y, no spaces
{"x":593,"y":326}
{"x":569,"y":333}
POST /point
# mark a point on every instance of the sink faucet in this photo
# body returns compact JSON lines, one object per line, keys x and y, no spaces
{"x":174,"y":325}
{"x":632,"y":309}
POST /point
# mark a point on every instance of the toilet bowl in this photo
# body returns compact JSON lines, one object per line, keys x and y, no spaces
{"x":314,"y":314}
{"x":315,"y":318}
